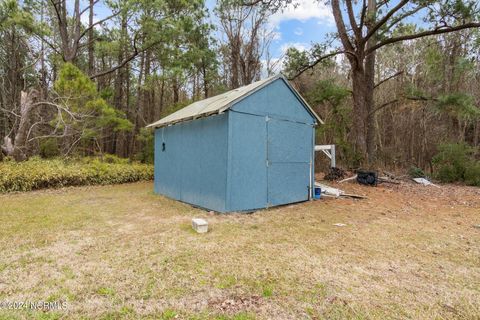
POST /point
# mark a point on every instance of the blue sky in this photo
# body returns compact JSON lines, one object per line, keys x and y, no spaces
{"x":297,"y":26}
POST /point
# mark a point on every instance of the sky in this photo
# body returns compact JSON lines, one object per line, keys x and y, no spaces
{"x":300,"y":26}
{"x":297,"y":26}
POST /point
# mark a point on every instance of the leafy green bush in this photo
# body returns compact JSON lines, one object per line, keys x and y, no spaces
{"x":147,"y":141}
{"x":111,"y":158}
{"x":38,"y":174}
{"x":416,"y":172}
{"x":472,"y":174}
{"x":456,"y":162}
{"x":49,"y":148}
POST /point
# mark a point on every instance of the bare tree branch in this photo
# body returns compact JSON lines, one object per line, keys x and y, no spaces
{"x":97,"y":23}
{"x":386,"y":104}
{"x":56,"y":10}
{"x":351,"y":15}
{"x":421,"y":98}
{"x":402,"y":16}
{"x":424,"y":34}
{"x":51,"y":45}
{"x":88,"y":7}
{"x":362,"y":15}
{"x":317,"y":61}
{"x":58,"y":106}
{"x":342,"y":31}
{"x":388,"y":78}
{"x":262,"y":2}
{"x":385,"y":18}
{"x":132,"y":56}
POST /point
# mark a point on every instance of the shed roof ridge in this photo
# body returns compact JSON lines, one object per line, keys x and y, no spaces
{"x":224,"y":101}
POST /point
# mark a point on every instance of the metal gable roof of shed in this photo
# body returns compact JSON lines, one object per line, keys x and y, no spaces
{"x":222,"y":102}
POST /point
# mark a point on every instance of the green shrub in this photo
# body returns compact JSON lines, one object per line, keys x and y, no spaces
{"x":452,"y":161}
{"x":49,"y":148}
{"x":38,"y":174}
{"x":416,"y":172}
{"x":111,"y":158}
{"x":147,"y":141}
{"x":472,"y":174}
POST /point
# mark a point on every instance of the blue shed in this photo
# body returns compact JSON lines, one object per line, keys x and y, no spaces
{"x":246,"y":149}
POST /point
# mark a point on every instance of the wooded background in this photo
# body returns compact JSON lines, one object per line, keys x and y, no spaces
{"x":397,"y":84}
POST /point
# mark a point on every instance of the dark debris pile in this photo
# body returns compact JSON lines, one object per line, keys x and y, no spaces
{"x":335,"y":174}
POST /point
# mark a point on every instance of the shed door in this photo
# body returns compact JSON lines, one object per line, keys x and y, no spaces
{"x":289,"y":152}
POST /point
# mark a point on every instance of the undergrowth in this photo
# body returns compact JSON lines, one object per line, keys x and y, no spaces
{"x":39,"y":173}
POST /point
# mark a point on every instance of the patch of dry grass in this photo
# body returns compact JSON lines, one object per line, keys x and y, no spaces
{"x":122,"y":252}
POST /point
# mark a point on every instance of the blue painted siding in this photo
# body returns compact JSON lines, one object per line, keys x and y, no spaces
{"x":288,"y":182}
{"x":193,"y":167}
{"x":255,"y":155}
{"x":168,"y":165}
{"x":289,"y":141}
{"x":289,"y":161}
{"x":269,"y":161}
{"x":277,"y":101}
{"x":247,"y":178}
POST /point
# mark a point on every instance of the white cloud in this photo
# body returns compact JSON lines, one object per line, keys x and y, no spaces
{"x":303,"y":10}
{"x":300,"y":46}
{"x":298,"y":31}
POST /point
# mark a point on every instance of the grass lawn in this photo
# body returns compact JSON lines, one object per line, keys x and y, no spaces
{"x":408,"y":252}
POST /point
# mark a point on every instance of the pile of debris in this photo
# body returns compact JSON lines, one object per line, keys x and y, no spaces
{"x":368,"y":178}
{"x":371,"y":178}
{"x":364,"y":177}
{"x":336,"y":193}
{"x":425,"y":182}
{"x":335,"y":174}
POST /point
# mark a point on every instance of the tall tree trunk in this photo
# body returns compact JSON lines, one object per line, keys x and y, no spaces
{"x":147,"y":92}
{"x":359,"y":88}
{"x":175,"y":89}
{"x":120,"y":89}
{"x":43,"y":69}
{"x":476,"y":133}
{"x":140,"y":105}
{"x":162,"y":99}
{"x":18,"y":148}
{"x":370,"y":84}
{"x":91,"y":62}
{"x":205,"y":80}
{"x":234,"y":65}
{"x":14,"y":77}
{"x":126,"y":150}
{"x":151,"y":104}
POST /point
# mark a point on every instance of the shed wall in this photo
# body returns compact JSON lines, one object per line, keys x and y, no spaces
{"x":270,"y":149}
{"x":277,"y":101}
{"x":193,"y":166}
{"x":289,"y":161}
{"x":247,"y":171}
{"x":255,"y":155}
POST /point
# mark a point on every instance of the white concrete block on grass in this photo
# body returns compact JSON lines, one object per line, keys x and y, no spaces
{"x":199,"y":225}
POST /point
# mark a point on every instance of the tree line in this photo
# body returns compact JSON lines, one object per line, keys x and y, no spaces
{"x":395,"y":81}
{"x":83,"y":79}
{"x":402,"y":88}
